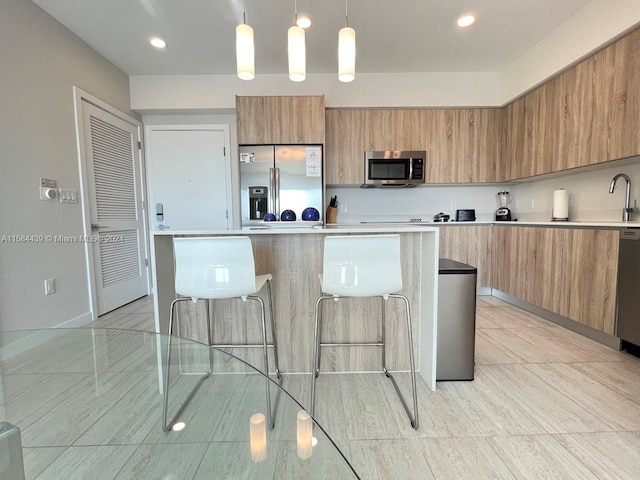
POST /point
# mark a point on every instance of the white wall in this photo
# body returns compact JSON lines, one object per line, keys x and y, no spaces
{"x":403,"y":204}
{"x":41,"y":62}
{"x":588,"y":189}
{"x":589,"y":197}
{"x":595,"y":25}
{"x":367,"y":90}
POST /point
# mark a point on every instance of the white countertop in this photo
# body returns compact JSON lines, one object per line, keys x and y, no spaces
{"x":380,"y":228}
{"x":383,"y":227}
{"x":576,"y":223}
{"x":571,"y":223}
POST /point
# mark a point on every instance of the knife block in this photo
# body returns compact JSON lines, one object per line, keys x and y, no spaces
{"x":332,"y":215}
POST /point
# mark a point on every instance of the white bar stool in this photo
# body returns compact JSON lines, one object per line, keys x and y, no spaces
{"x":363,"y":266}
{"x":211,"y":268}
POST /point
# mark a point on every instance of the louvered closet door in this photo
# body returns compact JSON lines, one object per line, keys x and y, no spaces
{"x":115,"y":193}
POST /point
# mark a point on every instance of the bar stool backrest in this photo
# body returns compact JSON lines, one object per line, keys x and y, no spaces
{"x":214,"y":267}
{"x":361,"y":265}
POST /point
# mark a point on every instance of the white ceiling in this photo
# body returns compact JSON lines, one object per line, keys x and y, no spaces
{"x":391,"y":35}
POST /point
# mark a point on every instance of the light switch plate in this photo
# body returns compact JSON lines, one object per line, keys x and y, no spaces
{"x":68,"y":195}
{"x":50,"y":286}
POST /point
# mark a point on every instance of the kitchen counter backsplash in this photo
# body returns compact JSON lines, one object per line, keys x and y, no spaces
{"x":401,"y":205}
{"x":532,"y":200}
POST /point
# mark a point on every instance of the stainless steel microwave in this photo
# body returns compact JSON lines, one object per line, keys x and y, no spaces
{"x":394,"y":168}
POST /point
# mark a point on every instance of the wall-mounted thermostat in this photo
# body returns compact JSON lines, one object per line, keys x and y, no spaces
{"x":48,"y":190}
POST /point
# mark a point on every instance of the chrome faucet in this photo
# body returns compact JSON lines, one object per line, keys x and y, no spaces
{"x":627,"y":210}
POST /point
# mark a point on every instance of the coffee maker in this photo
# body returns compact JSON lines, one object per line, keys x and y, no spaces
{"x":503,"y":214}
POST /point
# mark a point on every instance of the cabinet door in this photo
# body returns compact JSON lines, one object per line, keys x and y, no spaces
{"x":280,"y":120}
{"x":345,"y":147}
{"x":301,"y":120}
{"x":395,"y":130}
{"x":470,"y":245}
{"x":254,"y":120}
{"x":617,"y":104}
{"x":463,"y":145}
{"x":557,"y":269}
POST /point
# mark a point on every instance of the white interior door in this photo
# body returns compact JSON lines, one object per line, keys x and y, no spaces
{"x":188,"y":177}
{"x":114,"y":186}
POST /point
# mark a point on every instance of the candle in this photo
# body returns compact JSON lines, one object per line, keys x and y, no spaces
{"x":258,"y":437}
{"x":305,"y":435}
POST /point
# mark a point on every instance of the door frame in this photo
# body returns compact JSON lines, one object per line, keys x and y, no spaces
{"x":228,"y":167}
{"x":79,"y":96}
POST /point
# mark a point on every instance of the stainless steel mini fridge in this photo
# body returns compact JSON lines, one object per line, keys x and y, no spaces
{"x":275,"y":178}
{"x":456,"y":321}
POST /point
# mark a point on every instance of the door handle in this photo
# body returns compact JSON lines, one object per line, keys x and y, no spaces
{"x":95,"y":227}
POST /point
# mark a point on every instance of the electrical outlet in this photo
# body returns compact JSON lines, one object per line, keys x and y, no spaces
{"x":532,"y":203}
{"x":453,"y":206}
{"x":50,"y":286}
{"x":343,"y":207}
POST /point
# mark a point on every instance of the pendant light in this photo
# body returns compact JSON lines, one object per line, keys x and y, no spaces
{"x":297,"y":50}
{"x":244,"y":48}
{"x":346,"y":50}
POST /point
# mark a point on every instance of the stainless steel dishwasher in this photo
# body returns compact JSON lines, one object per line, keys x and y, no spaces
{"x":629,"y":286}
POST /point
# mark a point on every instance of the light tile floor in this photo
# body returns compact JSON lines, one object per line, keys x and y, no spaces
{"x":545,"y":403}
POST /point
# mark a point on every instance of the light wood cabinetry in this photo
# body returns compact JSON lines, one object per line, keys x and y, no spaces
{"x":588,"y":114}
{"x":463,"y":145}
{"x":345,"y":146}
{"x":395,"y":129}
{"x":571,"y":272}
{"x":470,"y":245}
{"x":280,"y":120}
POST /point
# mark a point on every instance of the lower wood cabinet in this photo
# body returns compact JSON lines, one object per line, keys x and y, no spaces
{"x":571,"y":272}
{"x":470,"y":245}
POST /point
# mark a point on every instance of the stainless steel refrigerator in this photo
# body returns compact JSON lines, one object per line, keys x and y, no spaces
{"x":275,"y":178}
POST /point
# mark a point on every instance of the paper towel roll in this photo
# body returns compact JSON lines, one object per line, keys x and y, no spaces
{"x":560,"y":205}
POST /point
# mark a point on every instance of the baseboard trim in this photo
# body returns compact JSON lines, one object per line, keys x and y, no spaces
{"x":80,"y":321}
{"x":483,"y":291}
{"x":598,"y":336}
{"x":33,"y":338}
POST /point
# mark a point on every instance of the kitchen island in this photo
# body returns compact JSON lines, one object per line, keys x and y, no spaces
{"x":294,"y":257}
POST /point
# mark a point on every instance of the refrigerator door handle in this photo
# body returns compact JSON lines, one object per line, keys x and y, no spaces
{"x":277,"y":192}
{"x":272,"y":192}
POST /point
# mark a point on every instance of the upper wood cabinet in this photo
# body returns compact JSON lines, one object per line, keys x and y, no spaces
{"x":280,"y":120}
{"x":462,"y":145}
{"x":345,"y":147}
{"x":588,"y":114}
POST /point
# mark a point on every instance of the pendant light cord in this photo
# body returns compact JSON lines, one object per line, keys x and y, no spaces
{"x":295,"y":11}
{"x":244,"y":12}
{"x":346,"y":12}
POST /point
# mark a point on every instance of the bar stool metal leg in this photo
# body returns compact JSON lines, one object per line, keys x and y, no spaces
{"x":273,"y":333}
{"x":315,"y":366}
{"x":412,"y":418}
{"x":166,"y":426}
{"x":270,"y":413}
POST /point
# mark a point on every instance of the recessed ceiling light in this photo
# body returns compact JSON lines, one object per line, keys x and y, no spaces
{"x":303,"y":21}
{"x":158,"y":42}
{"x":466,"y":20}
